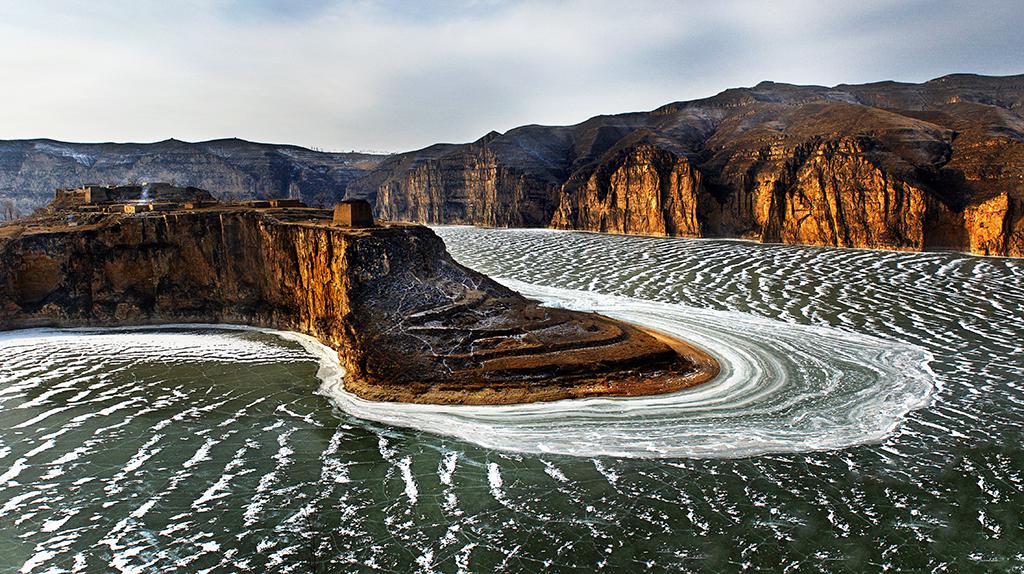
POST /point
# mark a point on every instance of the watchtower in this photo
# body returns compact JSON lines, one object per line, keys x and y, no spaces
{"x":353,"y":213}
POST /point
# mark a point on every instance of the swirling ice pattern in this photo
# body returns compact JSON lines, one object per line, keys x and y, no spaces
{"x":965,"y":311}
{"x":783,"y":388}
{"x":212,"y":453}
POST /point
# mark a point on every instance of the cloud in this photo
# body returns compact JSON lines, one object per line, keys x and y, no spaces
{"x":397,"y":75}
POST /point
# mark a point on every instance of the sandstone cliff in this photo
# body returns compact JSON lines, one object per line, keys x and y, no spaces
{"x":643,"y":190}
{"x":410,"y":324}
{"x":938,"y":165}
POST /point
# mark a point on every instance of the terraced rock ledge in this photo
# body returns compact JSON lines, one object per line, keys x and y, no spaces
{"x":410,"y":323}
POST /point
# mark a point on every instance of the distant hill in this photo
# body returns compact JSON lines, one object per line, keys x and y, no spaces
{"x":938,"y":165}
{"x":31,"y":169}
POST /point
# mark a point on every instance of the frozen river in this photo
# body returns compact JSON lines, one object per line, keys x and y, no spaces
{"x":869,"y":416}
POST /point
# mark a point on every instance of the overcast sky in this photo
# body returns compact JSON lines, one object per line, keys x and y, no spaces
{"x":399,"y":75}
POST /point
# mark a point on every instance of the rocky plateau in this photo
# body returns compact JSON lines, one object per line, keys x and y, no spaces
{"x":410,"y":323}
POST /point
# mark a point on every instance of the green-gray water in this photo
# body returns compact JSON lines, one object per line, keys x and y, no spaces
{"x":205,"y":450}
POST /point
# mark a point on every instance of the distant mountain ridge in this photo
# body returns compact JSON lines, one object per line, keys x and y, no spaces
{"x":890,"y":165}
{"x":31,"y":169}
{"x":937,"y":165}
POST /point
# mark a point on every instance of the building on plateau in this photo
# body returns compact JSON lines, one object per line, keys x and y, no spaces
{"x":353,"y":213}
{"x":129,"y":198}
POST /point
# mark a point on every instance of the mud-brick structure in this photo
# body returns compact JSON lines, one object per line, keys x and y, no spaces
{"x":353,"y":213}
{"x":90,"y":197}
{"x":88,"y":194}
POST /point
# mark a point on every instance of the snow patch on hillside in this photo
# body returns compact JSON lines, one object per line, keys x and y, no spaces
{"x":62,"y":151}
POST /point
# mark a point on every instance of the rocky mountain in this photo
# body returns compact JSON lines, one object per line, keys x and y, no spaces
{"x":235,"y":169}
{"x":938,"y":165}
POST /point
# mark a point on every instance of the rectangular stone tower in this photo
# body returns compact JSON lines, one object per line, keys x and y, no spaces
{"x":353,"y":213}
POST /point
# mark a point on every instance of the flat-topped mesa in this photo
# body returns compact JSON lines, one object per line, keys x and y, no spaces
{"x":410,"y":323}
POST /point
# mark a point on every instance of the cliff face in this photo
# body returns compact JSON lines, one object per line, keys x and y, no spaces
{"x":645,"y":190}
{"x":938,"y":165}
{"x":996,"y":226}
{"x":471,"y":186}
{"x":823,"y":193}
{"x":410,"y":324}
{"x":31,"y":169}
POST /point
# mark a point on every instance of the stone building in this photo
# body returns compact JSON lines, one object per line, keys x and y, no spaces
{"x":90,"y":196}
{"x":353,"y":213}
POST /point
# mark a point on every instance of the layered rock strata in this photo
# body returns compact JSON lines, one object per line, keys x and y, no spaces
{"x":409,"y":323}
{"x":932,"y":166}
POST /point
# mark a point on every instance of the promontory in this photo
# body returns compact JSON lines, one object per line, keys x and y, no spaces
{"x":409,"y":323}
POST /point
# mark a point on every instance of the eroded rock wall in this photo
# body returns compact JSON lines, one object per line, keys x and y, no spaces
{"x":826,"y":193}
{"x":469,"y":188}
{"x":996,"y":226}
{"x":211,"y":268}
{"x":644,"y":191}
{"x":930,"y":166}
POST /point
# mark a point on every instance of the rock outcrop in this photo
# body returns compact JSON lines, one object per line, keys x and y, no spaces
{"x":644,"y":190}
{"x":409,"y":323}
{"x":938,"y":165}
{"x":996,"y":226}
{"x":468,"y":185}
{"x":31,"y":169}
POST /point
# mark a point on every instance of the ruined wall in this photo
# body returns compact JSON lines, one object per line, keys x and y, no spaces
{"x":233,"y":169}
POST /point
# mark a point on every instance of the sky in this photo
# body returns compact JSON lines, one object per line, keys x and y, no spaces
{"x":396,"y":75}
